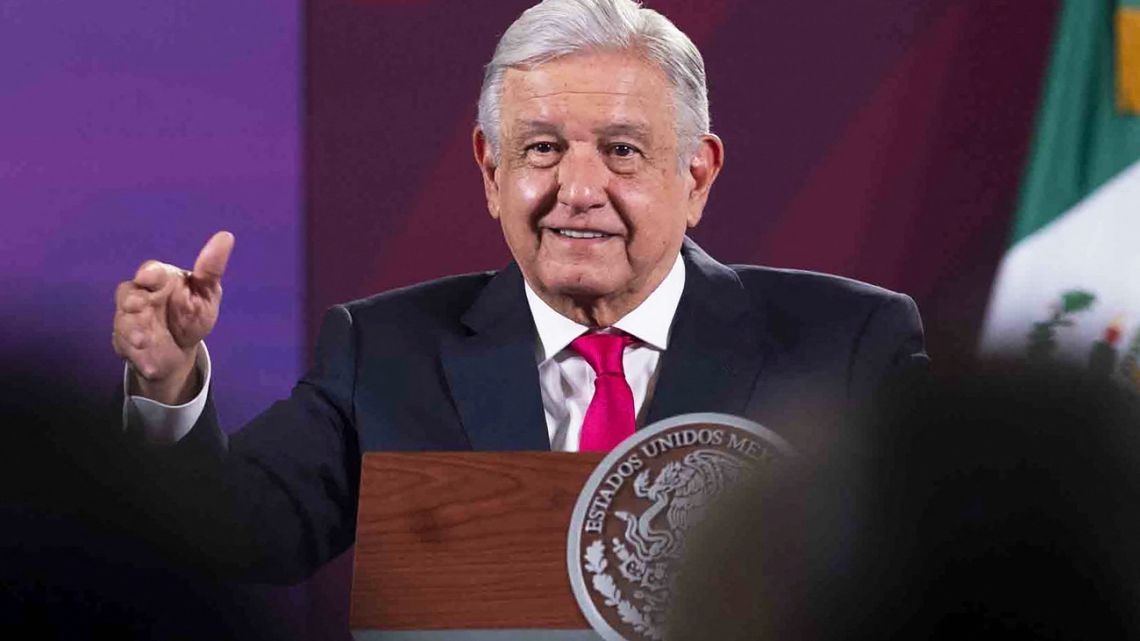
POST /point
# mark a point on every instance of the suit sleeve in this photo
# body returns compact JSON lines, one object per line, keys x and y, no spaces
{"x":890,"y":352}
{"x":278,"y":498}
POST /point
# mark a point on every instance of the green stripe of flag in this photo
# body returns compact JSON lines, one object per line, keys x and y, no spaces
{"x":1081,"y":141}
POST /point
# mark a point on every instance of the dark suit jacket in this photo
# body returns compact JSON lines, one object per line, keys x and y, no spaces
{"x":450,"y":365}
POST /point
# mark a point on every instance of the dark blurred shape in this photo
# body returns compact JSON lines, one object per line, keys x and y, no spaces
{"x":81,"y":556}
{"x":991,"y":504}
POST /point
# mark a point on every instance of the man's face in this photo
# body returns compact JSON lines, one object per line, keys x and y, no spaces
{"x":587,"y":185}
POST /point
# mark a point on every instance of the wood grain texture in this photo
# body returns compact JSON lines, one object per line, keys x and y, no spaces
{"x":449,"y":540}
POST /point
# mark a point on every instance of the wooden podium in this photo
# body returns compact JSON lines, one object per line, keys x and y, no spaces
{"x":467,"y":541}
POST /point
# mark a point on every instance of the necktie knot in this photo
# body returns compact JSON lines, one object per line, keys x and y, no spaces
{"x":603,"y":351}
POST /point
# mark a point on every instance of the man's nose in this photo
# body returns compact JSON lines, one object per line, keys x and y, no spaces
{"x":582,"y":177}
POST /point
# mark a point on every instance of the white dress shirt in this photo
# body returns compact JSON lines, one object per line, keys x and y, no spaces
{"x":565,"y":379}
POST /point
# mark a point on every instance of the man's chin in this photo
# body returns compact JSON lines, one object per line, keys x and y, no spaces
{"x":582,"y":292}
{"x":583,"y":287}
{"x":588,"y":299}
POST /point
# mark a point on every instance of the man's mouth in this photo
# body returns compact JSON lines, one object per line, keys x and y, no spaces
{"x":581,"y":233}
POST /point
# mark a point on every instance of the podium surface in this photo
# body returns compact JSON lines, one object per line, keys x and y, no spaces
{"x":467,"y":545}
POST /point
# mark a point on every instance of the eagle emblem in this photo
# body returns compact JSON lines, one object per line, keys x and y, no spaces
{"x":628,"y":530}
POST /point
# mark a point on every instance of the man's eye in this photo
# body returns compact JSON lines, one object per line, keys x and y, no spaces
{"x":624,"y":151}
{"x":543,"y":147}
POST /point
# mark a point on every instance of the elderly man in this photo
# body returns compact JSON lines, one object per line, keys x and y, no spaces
{"x":594,"y":146}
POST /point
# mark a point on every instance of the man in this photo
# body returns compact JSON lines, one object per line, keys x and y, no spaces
{"x":594,"y":146}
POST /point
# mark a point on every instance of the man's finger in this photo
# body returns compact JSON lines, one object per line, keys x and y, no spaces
{"x":153,"y":275}
{"x":132,"y":333}
{"x":211,"y":263}
{"x":121,"y":292}
{"x":134,"y":302}
{"x":130,"y":298}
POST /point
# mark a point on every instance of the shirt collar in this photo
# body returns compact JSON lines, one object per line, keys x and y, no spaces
{"x":649,"y":322}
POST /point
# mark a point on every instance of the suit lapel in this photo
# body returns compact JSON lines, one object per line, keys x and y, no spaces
{"x":492,"y":371}
{"x":715,"y":354}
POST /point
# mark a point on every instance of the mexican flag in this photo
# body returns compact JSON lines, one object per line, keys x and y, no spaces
{"x":1069,"y":285}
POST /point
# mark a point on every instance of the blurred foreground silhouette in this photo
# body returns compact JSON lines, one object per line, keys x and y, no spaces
{"x":986,"y":505}
{"x":82,"y":553}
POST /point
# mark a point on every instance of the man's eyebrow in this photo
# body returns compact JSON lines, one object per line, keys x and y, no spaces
{"x":632,"y":129}
{"x":531,"y":127}
{"x":525,"y":128}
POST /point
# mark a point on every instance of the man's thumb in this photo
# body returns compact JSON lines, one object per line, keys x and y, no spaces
{"x":211,"y":263}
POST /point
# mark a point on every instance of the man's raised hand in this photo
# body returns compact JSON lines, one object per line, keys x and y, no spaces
{"x":161,"y":316}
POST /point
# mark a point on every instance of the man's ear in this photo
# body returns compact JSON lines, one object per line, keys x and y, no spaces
{"x":488,"y":164}
{"x":703,"y":169}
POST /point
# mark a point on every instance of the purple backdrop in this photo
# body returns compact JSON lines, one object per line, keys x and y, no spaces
{"x":133,"y":130}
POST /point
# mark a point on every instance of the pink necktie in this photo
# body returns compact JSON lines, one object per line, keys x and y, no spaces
{"x":609,"y":418}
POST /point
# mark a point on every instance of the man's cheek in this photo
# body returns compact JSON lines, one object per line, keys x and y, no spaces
{"x":534,"y":184}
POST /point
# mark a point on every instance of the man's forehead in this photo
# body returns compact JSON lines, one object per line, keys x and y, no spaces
{"x":590,"y":75}
{"x":606,"y":93}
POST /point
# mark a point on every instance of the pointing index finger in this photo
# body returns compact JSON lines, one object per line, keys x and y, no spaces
{"x":211,"y":263}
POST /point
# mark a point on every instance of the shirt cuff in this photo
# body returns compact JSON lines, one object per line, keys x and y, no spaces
{"x":163,"y":424}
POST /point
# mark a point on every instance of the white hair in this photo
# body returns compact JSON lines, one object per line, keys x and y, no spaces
{"x":556,"y":28}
